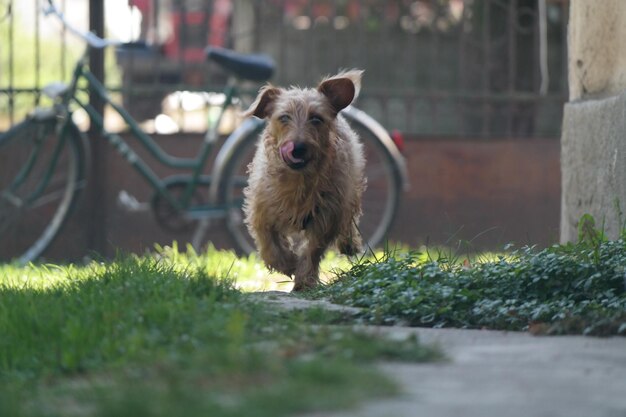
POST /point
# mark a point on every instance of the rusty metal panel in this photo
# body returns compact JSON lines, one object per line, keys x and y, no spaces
{"x":433,"y":68}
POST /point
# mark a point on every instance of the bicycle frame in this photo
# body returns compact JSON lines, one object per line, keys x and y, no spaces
{"x":195,"y":165}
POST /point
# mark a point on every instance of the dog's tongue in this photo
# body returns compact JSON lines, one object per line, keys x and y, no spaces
{"x":286,"y":151}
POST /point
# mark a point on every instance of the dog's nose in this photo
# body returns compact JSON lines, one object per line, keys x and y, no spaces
{"x":299,"y":150}
{"x":294,"y":154}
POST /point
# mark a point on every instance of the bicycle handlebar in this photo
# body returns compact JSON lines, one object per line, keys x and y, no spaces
{"x":89,"y":37}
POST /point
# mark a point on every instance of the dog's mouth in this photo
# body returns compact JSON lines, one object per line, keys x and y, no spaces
{"x":294,"y":155}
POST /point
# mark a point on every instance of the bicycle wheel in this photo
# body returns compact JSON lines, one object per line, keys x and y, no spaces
{"x":39,"y":181}
{"x":380,"y":200}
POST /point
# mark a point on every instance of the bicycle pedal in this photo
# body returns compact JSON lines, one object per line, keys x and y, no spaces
{"x":128,"y":202}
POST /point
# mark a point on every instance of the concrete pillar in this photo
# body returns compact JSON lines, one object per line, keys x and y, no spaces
{"x":593,"y":143}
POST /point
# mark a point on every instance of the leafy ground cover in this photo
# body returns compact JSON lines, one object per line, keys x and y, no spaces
{"x":564,"y":289}
{"x":169,"y":335}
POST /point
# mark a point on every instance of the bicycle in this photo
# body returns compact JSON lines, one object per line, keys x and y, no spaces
{"x":44,"y":158}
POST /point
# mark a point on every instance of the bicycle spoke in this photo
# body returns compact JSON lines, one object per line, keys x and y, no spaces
{"x":12,"y":199}
{"x":53,"y":195}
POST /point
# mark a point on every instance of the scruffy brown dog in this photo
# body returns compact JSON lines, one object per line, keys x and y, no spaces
{"x":306,"y":178}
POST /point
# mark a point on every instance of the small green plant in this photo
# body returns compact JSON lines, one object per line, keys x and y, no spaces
{"x":588,"y":233}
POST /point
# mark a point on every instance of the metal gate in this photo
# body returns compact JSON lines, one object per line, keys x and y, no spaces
{"x":450,"y":68}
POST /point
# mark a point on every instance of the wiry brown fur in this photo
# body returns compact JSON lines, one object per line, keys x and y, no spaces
{"x":294,"y":215}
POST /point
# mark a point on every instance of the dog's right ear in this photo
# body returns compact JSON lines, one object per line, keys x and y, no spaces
{"x":263,"y":105}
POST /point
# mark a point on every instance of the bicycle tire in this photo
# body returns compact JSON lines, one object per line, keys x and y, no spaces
{"x":33,"y":211}
{"x":380,"y":200}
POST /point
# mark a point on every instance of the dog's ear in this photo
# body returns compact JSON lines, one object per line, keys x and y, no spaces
{"x":263,"y":105}
{"x":341,"y":89}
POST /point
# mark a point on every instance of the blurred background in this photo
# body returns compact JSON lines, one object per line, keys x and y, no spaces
{"x":475,"y":87}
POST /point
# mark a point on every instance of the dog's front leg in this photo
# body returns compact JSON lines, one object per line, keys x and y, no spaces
{"x":307,"y":270}
{"x":349,"y":242}
{"x":275,"y":252}
{"x":319,"y":236}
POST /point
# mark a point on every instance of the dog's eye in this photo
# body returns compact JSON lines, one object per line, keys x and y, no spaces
{"x":316,"y":120}
{"x":284,"y":119}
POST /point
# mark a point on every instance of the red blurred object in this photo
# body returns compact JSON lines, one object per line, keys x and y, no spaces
{"x":193,"y":48}
{"x":398,"y":139}
{"x":201,"y":29}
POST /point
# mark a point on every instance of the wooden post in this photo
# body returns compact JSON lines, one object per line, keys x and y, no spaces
{"x":96,"y":229}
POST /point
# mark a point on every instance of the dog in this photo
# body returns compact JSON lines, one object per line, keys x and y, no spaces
{"x":306,"y":178}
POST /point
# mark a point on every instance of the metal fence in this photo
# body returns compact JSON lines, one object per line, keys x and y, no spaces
{"x":453,"y":68}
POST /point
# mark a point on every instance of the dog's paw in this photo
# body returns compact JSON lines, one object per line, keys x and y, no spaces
{"x":300,"y":286}
{"x":284,"y":266}
{"x":349,"y":247}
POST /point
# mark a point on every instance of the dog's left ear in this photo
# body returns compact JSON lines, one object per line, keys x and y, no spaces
{"x":341,"y":89}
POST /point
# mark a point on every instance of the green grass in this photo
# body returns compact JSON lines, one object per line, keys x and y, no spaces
{"x":172,"y":335}
{"x":564,"y":289}
{"x":248,"y":273}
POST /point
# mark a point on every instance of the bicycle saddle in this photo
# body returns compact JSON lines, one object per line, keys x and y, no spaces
{"x":253,"y":67}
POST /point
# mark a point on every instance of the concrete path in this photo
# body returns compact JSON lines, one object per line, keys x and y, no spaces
{"x":503,"y":374}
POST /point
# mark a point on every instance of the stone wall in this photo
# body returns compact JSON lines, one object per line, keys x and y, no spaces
{"x":593,"y":145}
